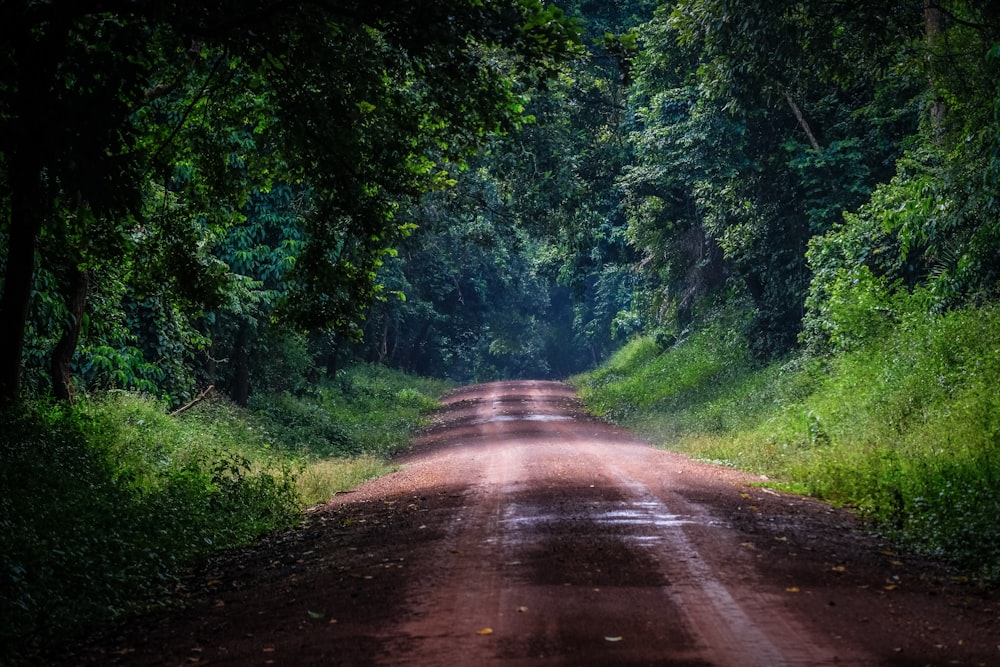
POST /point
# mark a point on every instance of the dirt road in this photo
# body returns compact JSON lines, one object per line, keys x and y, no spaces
{"x":521,"y":532}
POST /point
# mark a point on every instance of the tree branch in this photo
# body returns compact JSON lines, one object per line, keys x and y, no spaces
{"x":198,"y":399}
{"x":202,"y":95}
{"x":939,"y":7}
{"x":802,"y":121}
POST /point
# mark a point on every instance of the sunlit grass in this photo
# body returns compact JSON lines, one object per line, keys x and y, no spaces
{"x":320,"y":480}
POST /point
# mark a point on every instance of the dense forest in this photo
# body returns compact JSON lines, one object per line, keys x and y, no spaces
{"x":251,"y":199}
{"x":218,"y":210}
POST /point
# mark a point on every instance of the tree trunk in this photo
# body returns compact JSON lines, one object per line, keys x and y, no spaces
{"x":33,"y":59}
{"x":803,"y":123}
{"x":934,"y":28}
{"x":383,"y":346}
{"x":62,"y":356}
{"x":331,"y":362}
{"x":756,"y":288}
{"x":25,"y":222}
{"x":240,"y":391}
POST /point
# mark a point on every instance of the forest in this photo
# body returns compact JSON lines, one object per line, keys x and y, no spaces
{"x":244,"y":246}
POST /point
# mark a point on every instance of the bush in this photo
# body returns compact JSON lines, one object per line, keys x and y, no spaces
{"x":103,"y":502}
{"x":302,"y":426}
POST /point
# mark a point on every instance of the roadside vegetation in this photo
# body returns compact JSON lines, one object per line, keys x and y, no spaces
{"x":790,"y":209}
{"x":904,"y":426}
{"x":104,"y":502}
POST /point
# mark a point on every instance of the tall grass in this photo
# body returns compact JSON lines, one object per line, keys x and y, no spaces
{"x":905,"y":428}
{"x":104,"y":502}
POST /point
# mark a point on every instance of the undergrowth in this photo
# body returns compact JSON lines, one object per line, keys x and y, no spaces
{"x":905,"y":427}
{"x":104,"y":502}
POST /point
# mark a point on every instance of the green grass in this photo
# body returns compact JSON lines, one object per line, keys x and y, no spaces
{"x":905,"y":428}
{"x":104,"y":502}
{"x":321,"y":480}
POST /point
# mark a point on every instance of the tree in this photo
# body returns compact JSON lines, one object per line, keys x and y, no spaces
{"x":365,"y":101}
{"x":758,"y":130}
{"x":522,"y":266}
{"x":934,"y":224}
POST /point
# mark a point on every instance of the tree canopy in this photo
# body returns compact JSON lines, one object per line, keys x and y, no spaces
{"x":135,"y":134}
{"x":194,"y":193}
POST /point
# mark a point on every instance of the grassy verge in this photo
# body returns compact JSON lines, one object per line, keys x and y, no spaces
{"x":103,"y":502}
{"x":905,"y":428}
{"x":343,"y":433}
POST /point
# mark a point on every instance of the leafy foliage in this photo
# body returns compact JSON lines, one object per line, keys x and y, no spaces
{"x":521,"y":268}
{"x":182,"y":112}
{"x":732,"y":177}
{"x":103,"y":503}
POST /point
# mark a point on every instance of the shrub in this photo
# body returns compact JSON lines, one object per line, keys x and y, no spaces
{"x":103,"y":502}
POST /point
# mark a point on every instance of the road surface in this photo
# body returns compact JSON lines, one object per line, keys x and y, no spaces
{"x":520,"y":531}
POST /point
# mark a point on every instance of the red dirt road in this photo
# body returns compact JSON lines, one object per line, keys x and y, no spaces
{"x":521,"y":532}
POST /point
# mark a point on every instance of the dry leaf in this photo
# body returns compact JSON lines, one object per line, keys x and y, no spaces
{"x":485,"y":631}
{"x":793,"y":589}
{"x":839,"y":568}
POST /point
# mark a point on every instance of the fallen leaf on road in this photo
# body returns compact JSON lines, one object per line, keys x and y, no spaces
{"x":316,"y":614}
{"x":839,"y":568}
{"x":793,"y":589}
{"x":485,"y":631}
{"x":612,"y":639}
